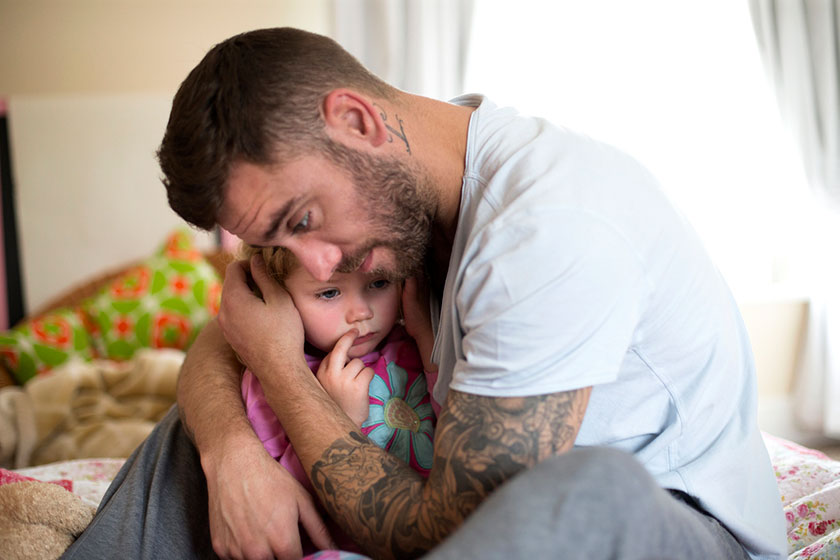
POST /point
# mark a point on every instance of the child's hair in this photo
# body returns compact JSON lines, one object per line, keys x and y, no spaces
{"x":279,"y":261}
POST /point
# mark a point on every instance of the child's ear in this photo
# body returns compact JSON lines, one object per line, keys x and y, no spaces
{"x":352,"y":119}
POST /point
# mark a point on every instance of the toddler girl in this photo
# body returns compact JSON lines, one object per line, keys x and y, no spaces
{"x":383,"y":387}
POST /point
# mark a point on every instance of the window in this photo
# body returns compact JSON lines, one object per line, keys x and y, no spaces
{"x":680,"y":86}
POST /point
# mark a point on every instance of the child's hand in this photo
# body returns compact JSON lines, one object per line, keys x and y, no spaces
{"x":347,"y":383}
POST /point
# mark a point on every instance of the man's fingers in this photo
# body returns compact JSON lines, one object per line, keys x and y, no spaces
{"x":235,"y":274}
{"x":233,"y":290}
{"x":409,"y":294}
{"x":314,"y":526}
{"x":236,"y":269}
{"x":410,"y":288}
{"x":284,"y":547}
{"x":259,"y":272}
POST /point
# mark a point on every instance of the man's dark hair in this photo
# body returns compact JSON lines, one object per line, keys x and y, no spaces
{"x":255,"y":98}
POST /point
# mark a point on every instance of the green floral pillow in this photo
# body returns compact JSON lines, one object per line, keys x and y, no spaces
{"x":162,"y":303}
{"x":41,"y":344}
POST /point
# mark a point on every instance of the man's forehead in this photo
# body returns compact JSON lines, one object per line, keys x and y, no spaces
{"x":245,"y":181}
{"x":253,"y":205}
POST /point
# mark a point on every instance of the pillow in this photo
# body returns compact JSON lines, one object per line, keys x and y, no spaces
{"x":41,"y":344}
{"x":161,"y":303}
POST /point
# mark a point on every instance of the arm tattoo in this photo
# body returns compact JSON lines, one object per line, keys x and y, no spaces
{"x":480,"y":443}
{"x":398,"y":133}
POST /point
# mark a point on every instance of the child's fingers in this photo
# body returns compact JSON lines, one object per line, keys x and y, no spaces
{"x":342,"y":347}
{"x":354,"y":368}
{"x":366,"y":375}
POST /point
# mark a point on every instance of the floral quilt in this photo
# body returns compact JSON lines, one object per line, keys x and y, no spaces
{"x":87,"y":478}
{"x":809,"y":484}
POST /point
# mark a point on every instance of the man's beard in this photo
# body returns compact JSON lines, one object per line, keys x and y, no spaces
{"x":399,"y":204}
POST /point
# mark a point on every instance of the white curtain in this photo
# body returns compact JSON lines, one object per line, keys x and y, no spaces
{"x":419,"y":46}
{"x":801,"y":50}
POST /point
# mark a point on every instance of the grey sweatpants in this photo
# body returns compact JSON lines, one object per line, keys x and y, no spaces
{"x":589,"y":503}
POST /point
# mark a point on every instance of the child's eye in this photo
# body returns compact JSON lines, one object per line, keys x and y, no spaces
{"x":302,"y":225}
{"x":328,"y":294}
{"x":379,"y":284}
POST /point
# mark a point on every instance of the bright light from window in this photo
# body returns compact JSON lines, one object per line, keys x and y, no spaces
{"x":680,"y":86}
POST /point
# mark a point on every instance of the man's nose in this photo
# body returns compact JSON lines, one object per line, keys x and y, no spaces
{"x":319,"y":258}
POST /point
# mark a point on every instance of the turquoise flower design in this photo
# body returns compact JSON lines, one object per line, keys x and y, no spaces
{"x":401,"y":419}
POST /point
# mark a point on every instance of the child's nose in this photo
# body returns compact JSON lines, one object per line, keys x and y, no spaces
{"x":359,"y":311}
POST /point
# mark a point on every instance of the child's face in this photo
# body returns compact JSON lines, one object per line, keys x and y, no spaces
{"x":346,"y":301}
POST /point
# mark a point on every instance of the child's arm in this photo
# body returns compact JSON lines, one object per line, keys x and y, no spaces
{"x":418,"y":320}
{"x":346,"y":382}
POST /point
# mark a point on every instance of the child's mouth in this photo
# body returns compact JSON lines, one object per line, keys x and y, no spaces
{"x":363,"y":339}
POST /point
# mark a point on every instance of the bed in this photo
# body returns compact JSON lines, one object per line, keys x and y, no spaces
{"x":809,"y":484}
{"x":809,"y":487}
{"x":117,"y":388}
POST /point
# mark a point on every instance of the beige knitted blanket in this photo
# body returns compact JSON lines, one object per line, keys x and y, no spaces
{"x":87,"y":409}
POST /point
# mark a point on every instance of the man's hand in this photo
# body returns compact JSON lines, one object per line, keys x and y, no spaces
{"x":256,"y":507}
{"x":418,"y":319}
{"x":347,"y":382}
{"x":265,"y":332}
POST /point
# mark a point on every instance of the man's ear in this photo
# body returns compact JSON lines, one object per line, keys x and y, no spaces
{"x":352,"y":118}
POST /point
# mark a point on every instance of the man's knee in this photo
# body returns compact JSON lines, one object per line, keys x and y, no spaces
{"x":577,"y":473}
{"x":557,"y":502}
{"x":598,"y":467}
{"x":582,"y":484}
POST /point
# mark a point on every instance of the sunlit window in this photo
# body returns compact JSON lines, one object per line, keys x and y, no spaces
{"x":679,"y":85}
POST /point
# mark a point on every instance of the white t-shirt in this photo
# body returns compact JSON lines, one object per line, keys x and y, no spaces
{"x":571,"y":269}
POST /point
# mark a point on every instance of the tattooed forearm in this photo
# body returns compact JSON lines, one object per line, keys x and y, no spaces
{"x":480,"y":443}
{"x":398,"y":133}
{"x":367,"y":490}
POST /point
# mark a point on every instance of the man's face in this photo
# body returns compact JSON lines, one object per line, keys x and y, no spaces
{"x":368,"y":214}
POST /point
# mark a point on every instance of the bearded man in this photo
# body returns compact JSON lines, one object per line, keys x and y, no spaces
{"x":598,"y":389}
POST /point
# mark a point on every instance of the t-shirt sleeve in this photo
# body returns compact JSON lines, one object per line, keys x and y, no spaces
{"x":549,"y":302}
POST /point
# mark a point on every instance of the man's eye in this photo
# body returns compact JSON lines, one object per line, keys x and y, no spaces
{"x":302,"y":225}
{"x":328,"y":294}
{"x":379,"y":284}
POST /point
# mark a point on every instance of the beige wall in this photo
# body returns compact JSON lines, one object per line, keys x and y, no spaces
{"x":776,"y":327}
{"x":108,"y":46}
{"x":89,"y":85}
